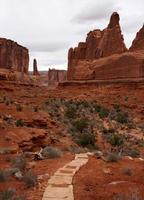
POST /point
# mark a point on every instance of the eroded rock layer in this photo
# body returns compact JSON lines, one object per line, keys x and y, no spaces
{"x":104,"y":55}
{"x":138,"y":42}
{"x":121,"y":66}
{"x":56,"y":76}
{"x":13,"y":56}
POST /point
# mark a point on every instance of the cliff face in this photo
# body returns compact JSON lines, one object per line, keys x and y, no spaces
{"x":98,"y":44}
{"x":104,"y":55}
{"x":56,"y":76}
{"x":13,"y":56}
{"x":138,"y":42}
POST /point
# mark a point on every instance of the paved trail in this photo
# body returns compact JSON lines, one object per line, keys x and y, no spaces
{"x":60,"y":184}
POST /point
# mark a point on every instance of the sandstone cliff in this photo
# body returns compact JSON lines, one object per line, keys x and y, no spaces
{"x":13,"y":56}
{"x":104,"y":55}
{"x":56,"y":76}
{"x":138,"y":42}
{"x":98,"y":44}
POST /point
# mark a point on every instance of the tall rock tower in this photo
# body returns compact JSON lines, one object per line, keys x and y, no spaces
{"x":35,"y":68}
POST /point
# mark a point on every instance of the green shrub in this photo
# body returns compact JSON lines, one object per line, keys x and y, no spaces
{"x":81,"y":124}
{"x":19,"y":108}
{"x":51,"y":152}
{"x":117,"y":107}
{"x":86,"y":139}
{"x":122,"y":118}
{"x":116,"y":140}
{"x":103,"y":113}
{"x":30,"y":179}
{"x":71,"y":112}
{"x":19,"y":123}
{"x":97,"y":108}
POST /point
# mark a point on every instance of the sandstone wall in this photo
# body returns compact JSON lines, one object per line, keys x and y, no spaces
{"x":124,"y":66}
{"x":104,"y":56}
{"x":56,"y":76}
{"x":13,"y":56}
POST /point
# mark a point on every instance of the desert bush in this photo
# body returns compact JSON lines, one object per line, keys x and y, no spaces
{"x":7,"y":194}
{"x":19,"y":108}
{"x":103,"y":113}
{"x":19,"y":162}
{"x":4,"y":150}
{"x":97,"y":107}
{"x":86,"y":140}
{"x":19,"y":123}
{"x":30,"y":179}
{"x":117,"y":107}
{"x":116,"y":140}
{"x":113,"y":157}
{"x":35,"y":109}
{"x":7,"y":102}
{"x":3,"y":175}
{"x":51,"y":152}
{"x":110,"y":130}
{"x":122,"y":117}
{"x":134,"y":153}
{"x":131,"y":195}
{"x":80,"y":124}
{"x":71,"y":111}
{"x":10,"y":194}
{"x":127,"y":171}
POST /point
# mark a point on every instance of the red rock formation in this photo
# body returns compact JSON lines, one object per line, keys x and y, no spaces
{"x":138,"y":42}
{"x":13,"y":56}
{"x":56,"y":76}
{"x":98,"y":44}
{"x":129,"y":65}
{"x":35,"y":68}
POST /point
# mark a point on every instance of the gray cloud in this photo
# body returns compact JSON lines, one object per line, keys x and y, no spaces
{"x":95,"y":10}
{"x":49,"y":27}
{"x":48,"y":46}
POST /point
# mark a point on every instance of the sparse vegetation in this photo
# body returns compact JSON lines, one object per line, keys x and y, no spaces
{"x":10,"y":194}
{"x":116,"y":140}
{"x":3,"y":175}
{"x":127,"y":171}
{"x":86,"y":140}
{"x":30,"y":179}
{"x":51,"y":152}
{"x":80,"y":124}
{"x":19,"y":123}
{"x":113,"y":157}
{"x":19,"y":162}
{"x":122,"y":117}
{"x":19,"y":108}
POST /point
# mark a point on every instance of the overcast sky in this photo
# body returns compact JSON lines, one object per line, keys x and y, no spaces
{"x":48,"y":28}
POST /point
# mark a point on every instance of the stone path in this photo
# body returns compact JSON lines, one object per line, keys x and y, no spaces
{"x":60,"y":184}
